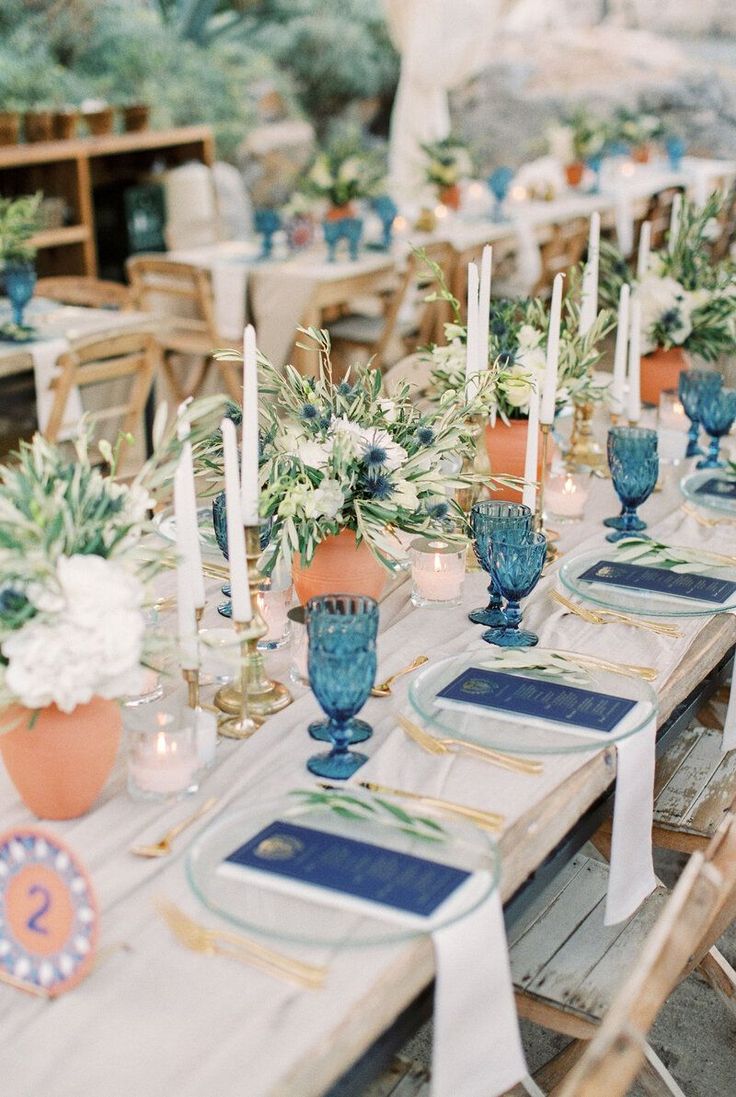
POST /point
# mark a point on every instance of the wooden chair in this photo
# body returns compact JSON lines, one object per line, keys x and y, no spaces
{"x":375,"y":334}
{"x":93,"y":293}
{"x":180,"y":296}
{"x":568,"y":967}
{"x":658,"y":212}
{"x":131,"y":358}
{"x":563,"y":248}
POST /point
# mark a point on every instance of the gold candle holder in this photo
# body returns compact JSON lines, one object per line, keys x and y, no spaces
{"x":240,"y":724}
{"x":264,"y":695}
{"x":191,"y":677}
{"x":538,"y":523}
{"x":584,"y":451}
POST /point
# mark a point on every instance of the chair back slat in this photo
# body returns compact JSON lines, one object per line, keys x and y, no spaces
{"x":564,"y":248}
{"x":95,"y":293}
{"x":180,"y":292}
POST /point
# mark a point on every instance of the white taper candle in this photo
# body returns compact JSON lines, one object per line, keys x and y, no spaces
{"x":589,"y":293}
{"x":484,"y":306}
{"x":634,"y":409}
{"x":240,"y":592}
{"x":471,"y":346}
{"x":529,"y":495}
{"x":184,"y":571}
{"x":618,"y":384}
{"x":645,"y":244}
{"x":549,"y":388}
{"x":249,"y":491}
{"x":675,"y":217}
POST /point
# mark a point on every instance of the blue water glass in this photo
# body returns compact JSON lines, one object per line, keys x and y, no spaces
{"x":267,"y":223}
{"x":675,"y":148}
{"x":499,"y":182}
{"x":691,"y":384}
{"x":341,"y":658}
{"x":332,"y":231}
{"x":219,"y":524}
{"x":20,"y":282}
{"x":634,"y":465}
{"x":717,"y":410}
{"x":517,"y":565}
{"x":387,"y":210}
{"x":353,"y":233}
{"x":486,"y":518}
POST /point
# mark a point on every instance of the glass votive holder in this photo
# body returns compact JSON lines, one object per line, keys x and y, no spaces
{"x":437,"y":571}
{"x":672,"y":428}
{"x":151,"y":689}
{"x":273,"y":603}
{"x":298,"y":672}
{"x":565,"y":496}
{"x":163,"y":756}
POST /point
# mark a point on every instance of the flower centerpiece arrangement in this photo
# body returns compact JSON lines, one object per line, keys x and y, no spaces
{"x":74,"y":568}
{"x":340,"y":176}
{"x":589,"y":135}
{"x":20,"y":218}
{"x":447,"y":162}
{"x":638,"y":130}
{"x":688,"y":302}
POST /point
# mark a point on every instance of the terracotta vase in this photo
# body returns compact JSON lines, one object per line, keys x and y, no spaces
{"x":339,"y":213}
{"x":506,"y":448}
{"x":450,"y":197}
{"x":574,"y":173}
{"x":641,"y":154}
{"x":60,"y":763}
{"x":660,"y":372}
{"x":339,"y":566}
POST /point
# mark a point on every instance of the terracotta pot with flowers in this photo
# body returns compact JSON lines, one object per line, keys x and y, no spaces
{"x":589,"y":136}
{"x":447,"y":162}
{"x":341,"y":176}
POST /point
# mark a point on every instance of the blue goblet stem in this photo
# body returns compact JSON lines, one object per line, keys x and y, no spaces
{"x":693,"y":449}
{"x":513,"y":615}
{"x":629,"y":522}
{"x":492,"y":615}
{"x":712,"y":458}
{"x":358,"y":731}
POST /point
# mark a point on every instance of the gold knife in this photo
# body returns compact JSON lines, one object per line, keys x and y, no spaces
{"x":487,"y":820}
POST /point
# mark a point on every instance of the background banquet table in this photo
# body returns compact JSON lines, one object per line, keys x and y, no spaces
{"x":155,"y":1018}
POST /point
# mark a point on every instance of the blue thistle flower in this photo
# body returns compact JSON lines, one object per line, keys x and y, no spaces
{"x":375,"y":456}
{"x":438,"y":510}
{"x":308,"y":411}
{"x":378,"y":486}
{"x":671,"y":319}
{"x":344,"y":389}
{"x":425,"y":436}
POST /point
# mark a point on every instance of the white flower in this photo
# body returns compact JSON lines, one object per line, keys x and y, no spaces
{"x":533,"y":360}
{"x":92,"y":644}
{"x":529,"y":337}
{"x":350,"y":169}
{"x":375,"y":440}
{"x":388,"y":407}
{"x":320,"y":174}
{"x":328,"y":499}
{"x":405,"y":495}
{"x":290,"y":439}
{"x":664,"y":300}
{"x":517,"y":386}
{"x":315,"y":454}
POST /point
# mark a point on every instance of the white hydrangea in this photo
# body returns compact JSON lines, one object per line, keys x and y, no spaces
{"x":658,"y":297}
{"x":90,"y":647}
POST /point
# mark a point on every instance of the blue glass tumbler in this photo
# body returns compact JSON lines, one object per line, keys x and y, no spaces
{"x":717,"y":410}
{"x":267,"y":222}
{"x":486,"y":518}
{"x":517,"y":563}
{"x":341,"y":657}
{"x":499,"y":182}
{"x":20,"y":282}
{"x":634,"y":465}
{"x":691,"y":384}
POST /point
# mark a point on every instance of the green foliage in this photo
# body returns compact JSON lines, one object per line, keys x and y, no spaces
{"x":19,"y":219}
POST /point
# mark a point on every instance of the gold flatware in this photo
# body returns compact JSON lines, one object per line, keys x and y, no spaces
{"x":447,"y":745}
{"x":607,"y":616}
{"x":383,"y":689}
{"x":487,"y":820}
{"x":222,"y":942}
{"x":703,"y":520}
{"x":162,"y":848}
{"x":21,"y":984}
{"x":629,"y":670}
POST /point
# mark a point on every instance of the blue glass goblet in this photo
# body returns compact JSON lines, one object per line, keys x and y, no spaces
{"x":267,"y":222}
{"x":595,"y":163}
{"x":341,"y":658}
{"x":517,"y":565}
{"x":20,"y":282}
{"x":499,"y":182}
{"x":487,"y":518}
{"x":690,"y":385}
{"x":634,"y":464}
{"x":219,"y":524}
{"x":641,"y":443}
{"x":675,"y":147}
{"x":387,"y":210}
{"x":717,"y":410}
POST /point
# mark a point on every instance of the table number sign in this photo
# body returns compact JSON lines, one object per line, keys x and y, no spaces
{"x":702,"y":588}
{"x":48,"y":912}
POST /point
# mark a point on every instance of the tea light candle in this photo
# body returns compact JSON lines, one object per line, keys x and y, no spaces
{"x":565,"y":496}
{"x":162,"y":761}
{"x":437,"y":570}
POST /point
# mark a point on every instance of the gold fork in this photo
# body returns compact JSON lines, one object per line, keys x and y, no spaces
{"x":222,"y":942}
{"x":383,"y":689}
{"x":607,"y":616}
{"x":163,"y":847}
{"x":703,"y":521}
{"x":448,"y":745}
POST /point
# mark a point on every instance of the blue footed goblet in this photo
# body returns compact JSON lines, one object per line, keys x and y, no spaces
{"x":517,"y":565}
{"x":219,"y":524}
{"x":499,"y":182}
{"x":487,"y":518}
{"x":634,"y":464}
{"x":717,"y":410}
{"x":341,"y":658}
{"x":267,"y":222}
{"x":634,"y":444}
{"x":691,"y":384}
{"x":675,"y":147}
{"x":20,"y":282}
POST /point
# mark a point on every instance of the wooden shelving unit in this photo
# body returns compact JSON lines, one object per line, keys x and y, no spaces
{"x":79,"y":170}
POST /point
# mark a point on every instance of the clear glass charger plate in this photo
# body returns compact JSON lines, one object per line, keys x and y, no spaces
{"x":165,"y":525}
{"x":645,"y":603}
{"x":522,"y":734}
{"x":690,"y":485}
{"x":261,"y":903}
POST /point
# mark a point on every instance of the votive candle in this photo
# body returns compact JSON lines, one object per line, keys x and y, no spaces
{"x":565,"y":496}
{"x":437,"y":571}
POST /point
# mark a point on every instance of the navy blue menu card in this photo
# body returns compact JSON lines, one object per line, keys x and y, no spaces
{"x":514,"y":693}
{"x":362,"y":869}
{"x":702,"y":588}
{"x":725,"y":488}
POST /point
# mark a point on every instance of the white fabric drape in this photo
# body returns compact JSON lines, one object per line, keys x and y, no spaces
{"x":442,"y":44}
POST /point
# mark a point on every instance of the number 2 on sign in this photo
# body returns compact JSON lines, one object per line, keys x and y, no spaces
{"x":34,"y":922}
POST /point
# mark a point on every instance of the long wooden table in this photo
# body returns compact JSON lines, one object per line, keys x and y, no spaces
{"x":154,"y":1018}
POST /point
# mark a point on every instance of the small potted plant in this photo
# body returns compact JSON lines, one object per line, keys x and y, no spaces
{"x":99,"y":116}
{"x":19,"y":219}
{"x":341,"y":176}
{"x":638,"y":130}
{"x":590,"y":135}
{"x":447,"y":162}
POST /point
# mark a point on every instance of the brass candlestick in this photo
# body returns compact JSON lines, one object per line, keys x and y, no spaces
{"x":538,"y":522}
{"x":191,"y":677}
{"x":239,"y":725}
{"x":584,"y":451}
{"x":265,"y":696}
